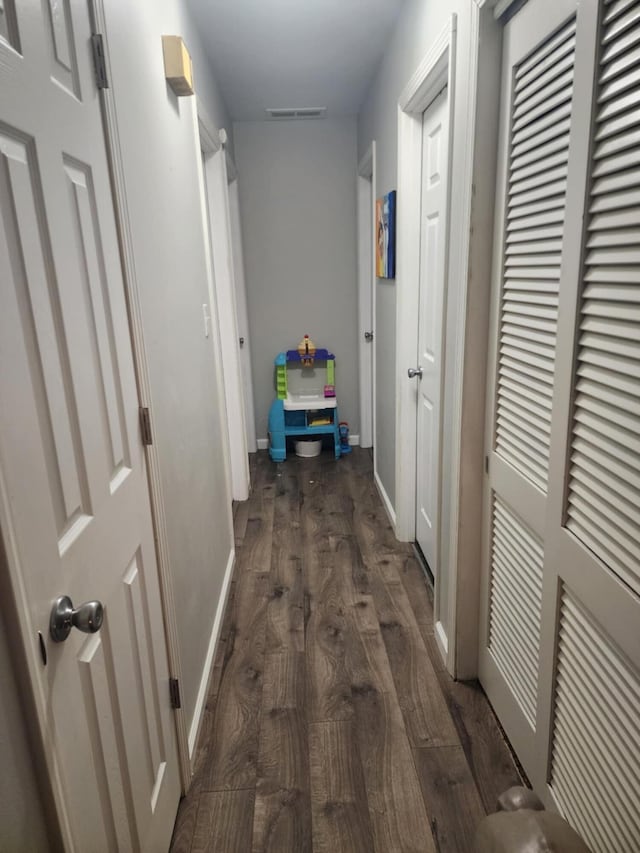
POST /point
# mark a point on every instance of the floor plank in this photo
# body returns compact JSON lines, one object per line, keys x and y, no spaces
{"x":234,"y":749}
{"x":424,"y":708}
{"x":396,"y":807}
{"x":341,"y":822}
{"x":486,"y":750}
{"x":453,"y":803}
{"x":282,"y":817}
{"x":224,"y":822}
{"x":285,"y":611}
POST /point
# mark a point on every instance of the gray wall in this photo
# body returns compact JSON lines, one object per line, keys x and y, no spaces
{"x":297,"y":183}
{"x":161,"y":155}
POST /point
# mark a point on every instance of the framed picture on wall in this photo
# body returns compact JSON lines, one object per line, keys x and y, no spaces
{"x":385,"y":236}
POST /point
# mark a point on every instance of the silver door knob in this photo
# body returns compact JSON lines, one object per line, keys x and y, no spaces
{"x":414,"y":371}
{"x":368,"y":336}
{"x":86,"y":618}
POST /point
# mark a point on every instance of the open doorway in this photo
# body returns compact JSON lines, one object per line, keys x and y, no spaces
{"x":366,"y":296}
{"x":424,"y":149}
{"x":227,"y":280}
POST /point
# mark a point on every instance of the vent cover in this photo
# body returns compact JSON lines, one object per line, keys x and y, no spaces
{"x":538,"y":163}
{"x":516,"y":595}
{"x":595,"y":765}
{"x":604,"y":487}
{"x":296,"y":112}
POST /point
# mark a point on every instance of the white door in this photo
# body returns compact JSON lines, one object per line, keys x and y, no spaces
{"x":217,"y":195}
{"x":74,"y":506}
{"x":431,"y":325}
{"x":243,"y":315}
{"x":560,"y":636}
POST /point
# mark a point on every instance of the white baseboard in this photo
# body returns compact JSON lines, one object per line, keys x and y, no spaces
{"x":354,"y":440}
{"x":441,"y":641}
{"x":385,"y":499}
{"x":201,"y":699}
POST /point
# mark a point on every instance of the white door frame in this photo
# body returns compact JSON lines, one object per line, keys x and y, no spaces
{"x":152,"y":456}
{"x":223,"y":296}
{"x":241,"y":301}
{"x":367,"y":297}
{"x":434,"y":72}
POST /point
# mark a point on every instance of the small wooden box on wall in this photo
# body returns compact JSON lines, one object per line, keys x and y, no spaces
{"x":177,"y":66}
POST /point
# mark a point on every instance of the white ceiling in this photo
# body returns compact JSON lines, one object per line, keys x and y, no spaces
{"x":294,"y":53}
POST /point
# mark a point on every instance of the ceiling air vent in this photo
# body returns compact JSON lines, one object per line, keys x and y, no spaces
{"x":297,"y":112}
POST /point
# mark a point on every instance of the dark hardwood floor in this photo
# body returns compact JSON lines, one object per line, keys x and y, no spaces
{"x":331,"y":724}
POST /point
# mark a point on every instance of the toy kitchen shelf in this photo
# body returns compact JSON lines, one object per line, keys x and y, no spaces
{"x":302,"y":413}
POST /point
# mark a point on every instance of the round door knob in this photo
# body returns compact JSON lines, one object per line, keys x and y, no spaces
{"x":86,"y":618}
{"x":414,"y":371}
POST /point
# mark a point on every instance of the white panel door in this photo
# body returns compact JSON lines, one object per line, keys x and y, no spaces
{"x":74,"y":505}
{"x":243,"y":316}
{"x":217,"y":195}
{"x":560,"y":642}
{"x":430,"y":326}
{"x":366,"y":284}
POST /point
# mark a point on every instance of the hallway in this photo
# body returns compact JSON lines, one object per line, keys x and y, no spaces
{"x":331,"y":724}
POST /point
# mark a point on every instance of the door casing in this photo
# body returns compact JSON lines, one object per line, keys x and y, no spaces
{"x":223,"y":297}
{"x":366,"y":182}
{"x":434,"y":72}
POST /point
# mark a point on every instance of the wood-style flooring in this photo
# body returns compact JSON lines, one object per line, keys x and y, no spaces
{"x":331,"y":724}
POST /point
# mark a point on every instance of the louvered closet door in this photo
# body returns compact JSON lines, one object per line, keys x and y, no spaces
{"x":590,"y":711}
{"x":539,"y":127}
{"x":560,"y":642}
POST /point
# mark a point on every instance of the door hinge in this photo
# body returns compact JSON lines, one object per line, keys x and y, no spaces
{"x":486,"y":464}
{"x":99,"y":62}
{"x":174,"y":693}
{"x":145,"y":425}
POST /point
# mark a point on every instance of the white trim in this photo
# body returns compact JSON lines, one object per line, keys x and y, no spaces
{"x":244,"y":352}
{"x":436,"y":69}
{"x":354,"y":440}
{"x":442,"y":641}
{"x":431,"y":74}
{"x":384,"y":497}
{"x":374,"y":294}
{"x":457,"y":367}
{"x":208,"y":132}
{"x":207,"y":669}
{"x":204,"y":128}
{"x":132,"y":291}
{"x":503,"y":7}
{"x":365,"y":166}
{"x":222,"y":294}
{"x":232,"y":170}
{"x":366,"y":203}
{"x":471,"y":322}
